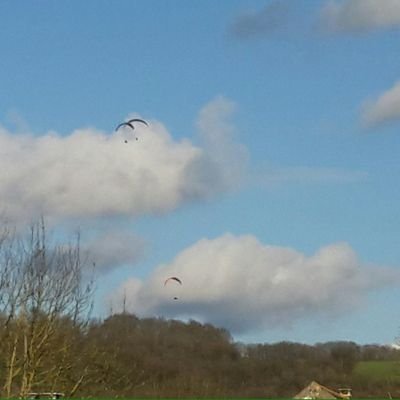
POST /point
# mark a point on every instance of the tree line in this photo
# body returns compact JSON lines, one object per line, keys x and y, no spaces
{"x":50,"y":342}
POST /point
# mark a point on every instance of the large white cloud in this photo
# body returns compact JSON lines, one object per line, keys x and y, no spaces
{"x":92,"y":173}
{"x":241,"y":284}
{"x":360,"y":15}
{"x":384,"y":109}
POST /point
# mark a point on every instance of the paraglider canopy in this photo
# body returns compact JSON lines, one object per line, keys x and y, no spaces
{"x":138,"y":120}
{"x":173,"y":278}
{"x":130,"y":123}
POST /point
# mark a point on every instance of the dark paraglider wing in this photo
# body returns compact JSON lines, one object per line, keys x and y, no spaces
{"x":119,"y":126}
{"x":124,"y":124}
{"x":173,"y":278}
{"x":138,"y":120}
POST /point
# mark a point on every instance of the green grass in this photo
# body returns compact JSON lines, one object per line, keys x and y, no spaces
{"x":378,"y":371}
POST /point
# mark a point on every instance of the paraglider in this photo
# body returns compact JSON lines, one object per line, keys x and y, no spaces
{"x":130,"y":124}
{"x":173,"y":278}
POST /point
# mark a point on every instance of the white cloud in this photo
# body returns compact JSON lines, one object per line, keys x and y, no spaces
{"x":90,"y":173}
{"x":113,"y":249}
{"x":384,"y":109}
{"x":218,"y":138}
{"x":360,"y":15}
{"x":241,"y":284}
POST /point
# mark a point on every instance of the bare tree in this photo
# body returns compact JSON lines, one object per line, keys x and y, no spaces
{"x":45,"y":285}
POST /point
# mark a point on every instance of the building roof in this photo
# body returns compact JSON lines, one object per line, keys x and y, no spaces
{"x":317,"y":391}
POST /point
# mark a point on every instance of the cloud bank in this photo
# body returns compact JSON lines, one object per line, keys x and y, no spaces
{"x":386,"y":108}
{"x":241,"y":284}
{"x":91,"y":173}
{"x":360,"y":15}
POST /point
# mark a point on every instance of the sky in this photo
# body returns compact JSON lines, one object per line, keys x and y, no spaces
{"x":268,"y":179}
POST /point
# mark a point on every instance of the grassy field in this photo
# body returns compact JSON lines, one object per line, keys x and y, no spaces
{"x":378,"y":371}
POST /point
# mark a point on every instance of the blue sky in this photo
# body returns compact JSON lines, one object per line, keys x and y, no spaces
{"x":269,"y":175}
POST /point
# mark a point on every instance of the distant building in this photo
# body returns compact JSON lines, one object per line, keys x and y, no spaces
{"x":316,"y":391}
